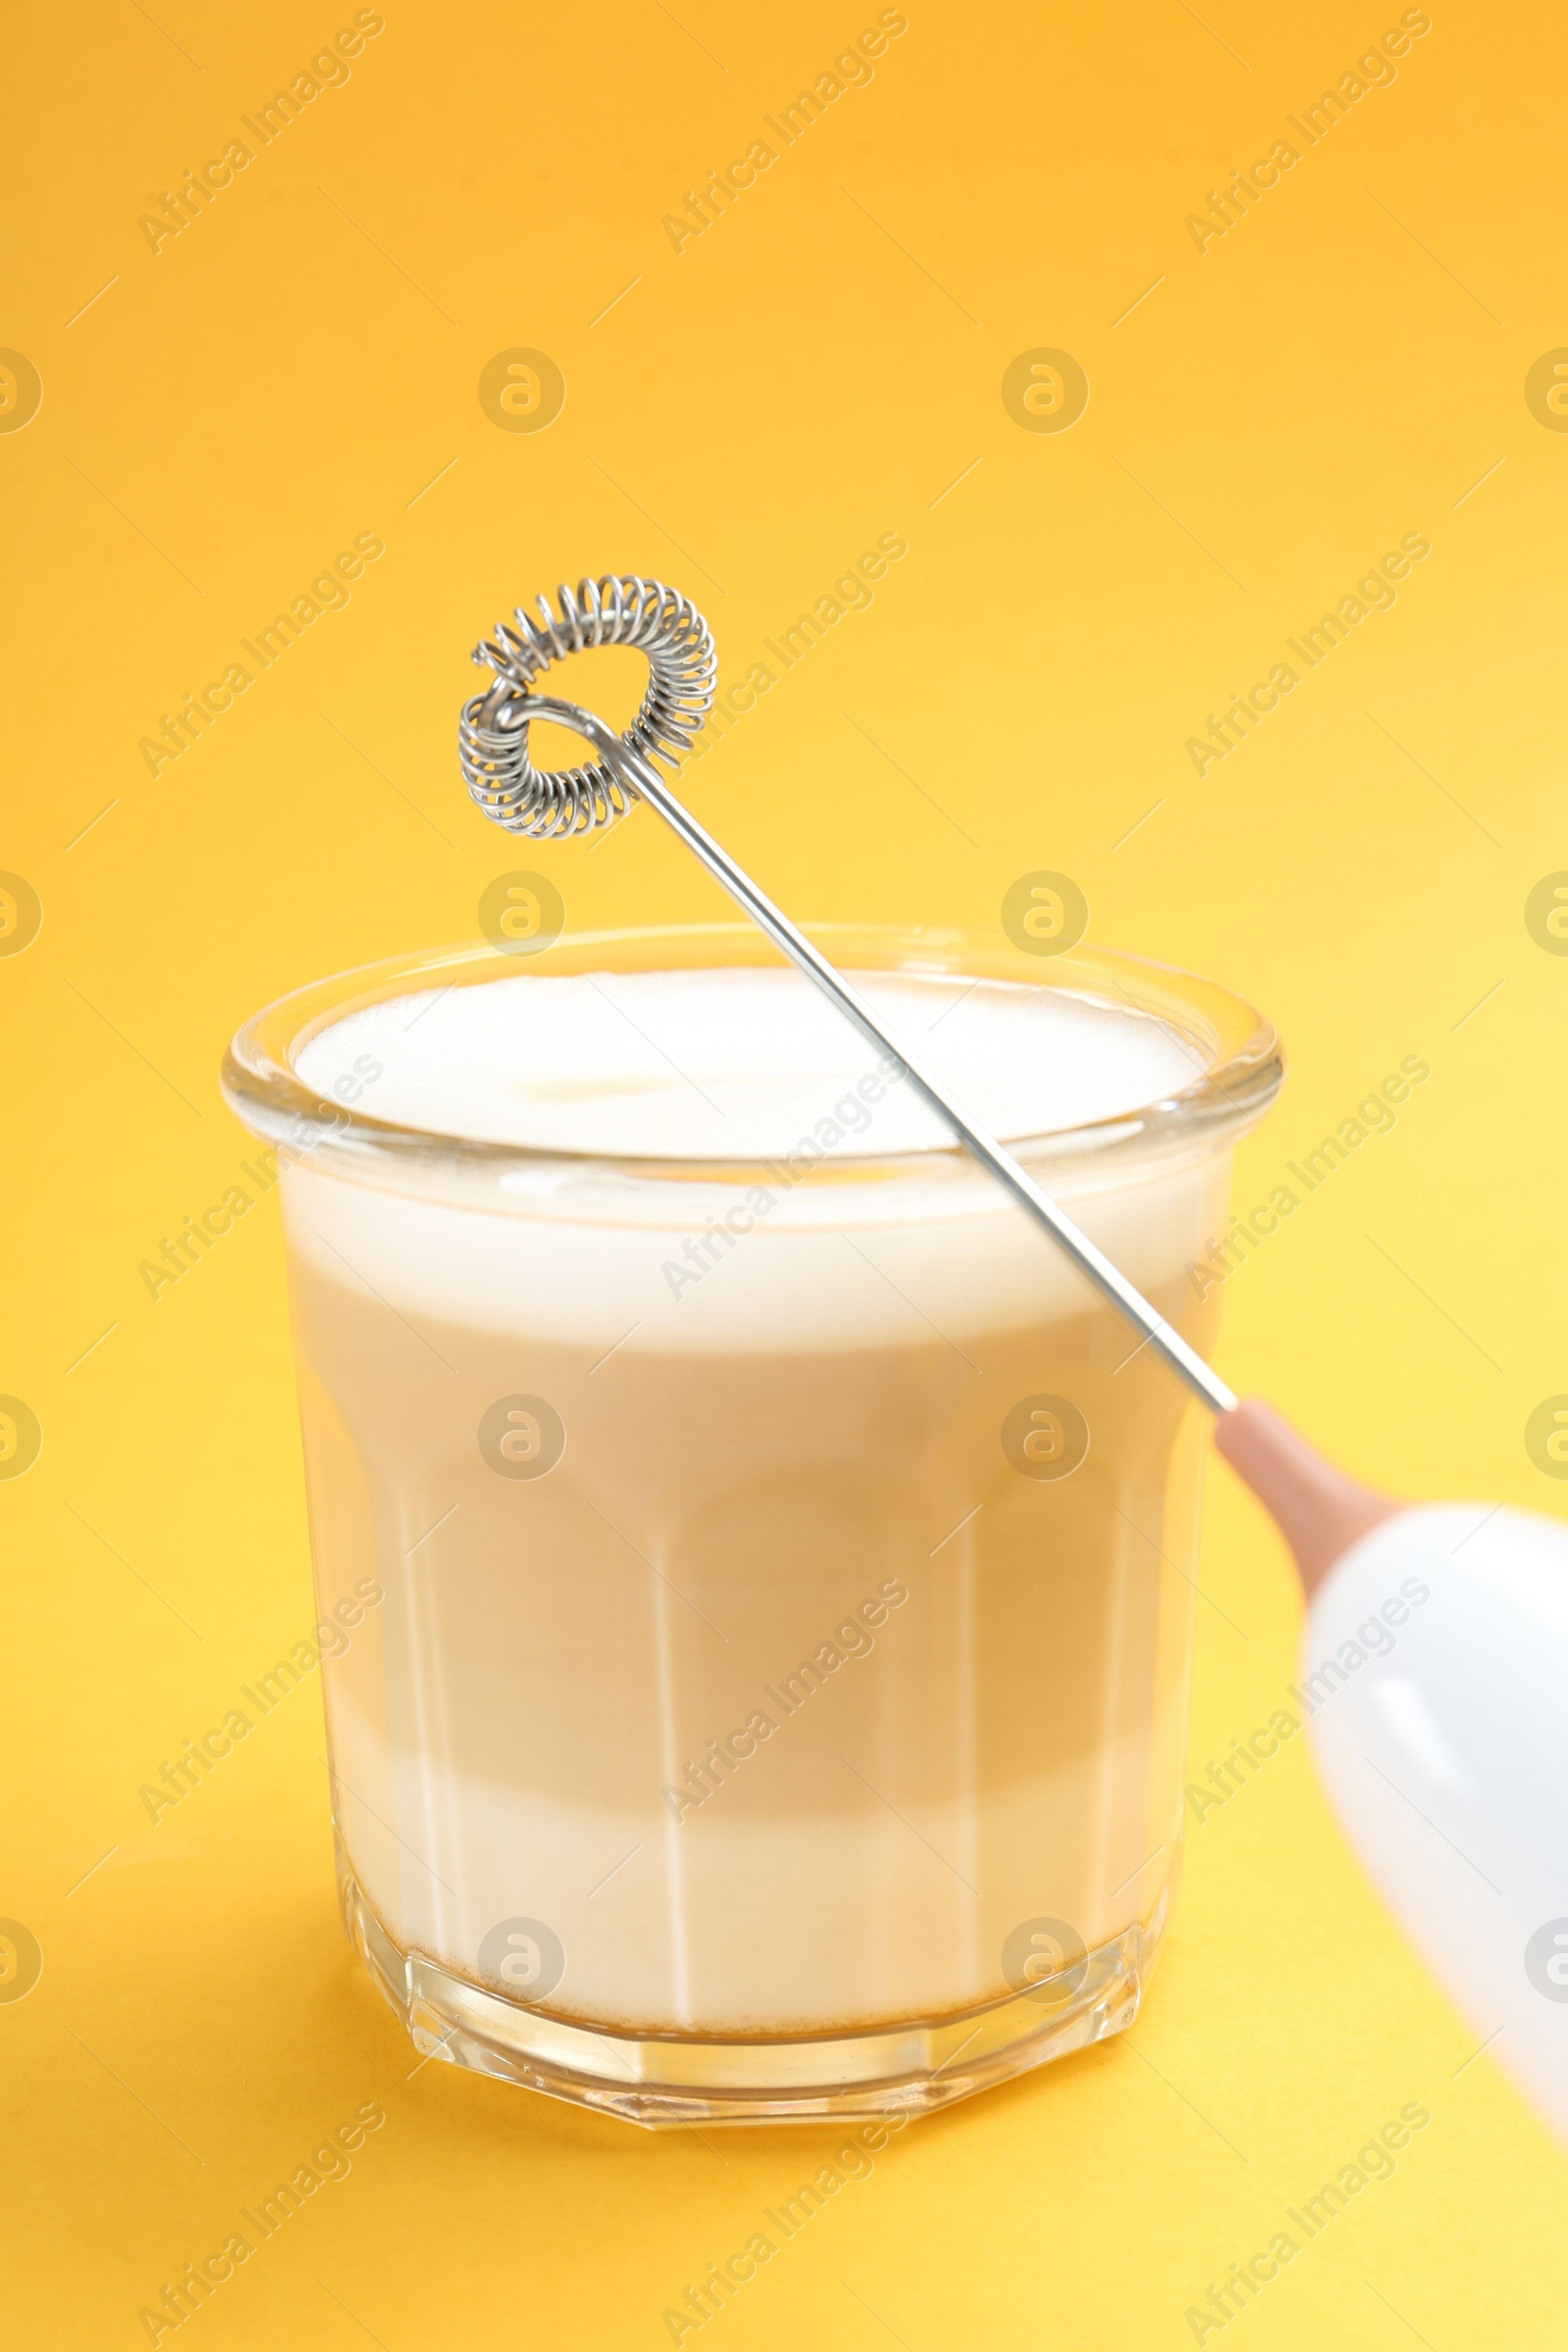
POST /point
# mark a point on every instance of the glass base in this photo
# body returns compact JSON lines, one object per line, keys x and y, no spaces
{"x":910,"y":2067}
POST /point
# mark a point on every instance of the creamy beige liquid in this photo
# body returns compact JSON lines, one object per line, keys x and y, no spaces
{"x":928,"y":1699}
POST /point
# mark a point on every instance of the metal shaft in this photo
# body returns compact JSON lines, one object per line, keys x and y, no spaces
{"x":1183,"y":1361}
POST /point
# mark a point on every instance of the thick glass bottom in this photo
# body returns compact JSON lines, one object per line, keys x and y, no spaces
{"x":911,"y":2067}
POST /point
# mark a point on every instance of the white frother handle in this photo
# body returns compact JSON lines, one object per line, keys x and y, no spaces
{"x":1435,"y":1667}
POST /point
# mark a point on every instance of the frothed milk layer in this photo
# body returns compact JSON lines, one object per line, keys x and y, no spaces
{"x":739,"y":1063}
{"x":791,"y":1690}
{"x":767,"y":1071}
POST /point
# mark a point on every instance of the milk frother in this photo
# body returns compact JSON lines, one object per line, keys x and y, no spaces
{"x":1442,"y":1710}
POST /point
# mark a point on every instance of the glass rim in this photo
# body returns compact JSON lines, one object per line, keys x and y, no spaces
{"x":1243,"y":1055}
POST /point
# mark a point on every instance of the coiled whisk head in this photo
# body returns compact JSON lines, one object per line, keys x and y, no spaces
{"x":493,"y":731}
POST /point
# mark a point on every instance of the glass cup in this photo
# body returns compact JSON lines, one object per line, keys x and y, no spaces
{"x":767,"y":1587}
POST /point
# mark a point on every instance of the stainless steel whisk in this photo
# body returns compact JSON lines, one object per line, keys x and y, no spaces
{"x":548,"y":805}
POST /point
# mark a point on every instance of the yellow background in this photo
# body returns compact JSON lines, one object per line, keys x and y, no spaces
{"x":815,"y":369}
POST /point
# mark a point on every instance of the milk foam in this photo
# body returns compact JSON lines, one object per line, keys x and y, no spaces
{"x":751,"y":1064}
{"x":738,"y":1063}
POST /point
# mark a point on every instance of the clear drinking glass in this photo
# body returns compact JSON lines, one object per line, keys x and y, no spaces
{"x":767,"y":1693}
